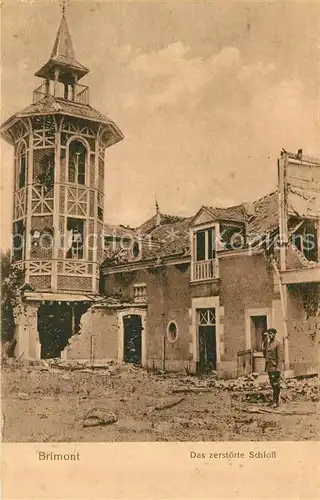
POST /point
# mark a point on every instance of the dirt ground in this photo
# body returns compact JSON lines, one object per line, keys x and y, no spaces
{"x":41,"y":404}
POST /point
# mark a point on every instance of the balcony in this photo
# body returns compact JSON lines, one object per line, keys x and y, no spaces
{"x":204,"y":270}
{"x":74,"y":93}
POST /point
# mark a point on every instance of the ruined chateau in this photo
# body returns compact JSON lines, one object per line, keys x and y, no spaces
{"x":176,"y":293}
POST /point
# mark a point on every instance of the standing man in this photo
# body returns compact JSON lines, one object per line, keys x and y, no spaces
{"x":273,"y":354}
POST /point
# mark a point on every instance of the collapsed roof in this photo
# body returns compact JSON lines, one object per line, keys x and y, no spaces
{"x":167,"y":236}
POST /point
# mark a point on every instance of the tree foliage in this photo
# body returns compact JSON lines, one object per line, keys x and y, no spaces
{"x":11,"y":280}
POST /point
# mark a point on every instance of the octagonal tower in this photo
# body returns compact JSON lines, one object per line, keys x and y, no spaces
{"x":59,"y":161}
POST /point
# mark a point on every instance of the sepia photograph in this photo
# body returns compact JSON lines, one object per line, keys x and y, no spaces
{"x":160,"y":223}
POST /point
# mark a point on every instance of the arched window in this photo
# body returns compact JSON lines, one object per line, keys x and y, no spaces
{"x":77,"y":162}
{"x":22,"y":166}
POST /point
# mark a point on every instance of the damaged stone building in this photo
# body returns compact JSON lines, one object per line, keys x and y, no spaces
{"x":192,"y":293}
{"x":197,"y":293}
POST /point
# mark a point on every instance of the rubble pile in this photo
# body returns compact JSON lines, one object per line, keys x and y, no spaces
{"x":257,"y":390}
{"x":246,"y":383}
{"x":253,"y":388}
{"x":305,"y":389}
{"x":57,"y":365}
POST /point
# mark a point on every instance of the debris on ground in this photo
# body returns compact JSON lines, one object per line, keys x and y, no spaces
{"x":23,"y":395}
{"x":253,"y":389}
{"x":72,"y":401}
{"x":7,"y":349}
{"x":278,"y":410}
{"x":191,"y":389}
{"x":168,"y":404}
{"x":99,"y":416}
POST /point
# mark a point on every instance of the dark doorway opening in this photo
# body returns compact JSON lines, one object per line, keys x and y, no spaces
{"x":207,"y":344}
{"x":258,"y":325}
{"x":56,"y":324}
{"x":132,"y":327}
{"x":207,"y":341}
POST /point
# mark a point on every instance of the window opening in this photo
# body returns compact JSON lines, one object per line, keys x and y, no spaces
{"x":77,"y":162}
{"x":172,"y":332}
{"x":75,"y":229}
{"x":18,"y":240}
{"x":205,"y":244}
{"x":22,"y":166}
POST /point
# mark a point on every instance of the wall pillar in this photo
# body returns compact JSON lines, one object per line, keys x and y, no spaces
{"x":56,"y":210}
{"x":318,"y":239}
{"x":22,"y":347}
{"x":55,"y":81}
{"x":47,"y":86}
{"x":74,"y":87}
{"x":31,"y":331}
{"x":26,"y":333}
{"x":221,"y":333}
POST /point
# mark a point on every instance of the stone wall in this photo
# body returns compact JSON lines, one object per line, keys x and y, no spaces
{"x":303,"y":332}
{"x":97,"y":339}
{"x":168,"y":299}
{"x":246,"y":283}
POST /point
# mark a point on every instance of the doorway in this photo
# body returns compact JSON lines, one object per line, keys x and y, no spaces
{"x":132,"y":333}
{"x":258,"y":325}
{"x":207,"y":340}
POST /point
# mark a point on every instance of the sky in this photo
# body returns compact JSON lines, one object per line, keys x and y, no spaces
{"x":206,"y":94}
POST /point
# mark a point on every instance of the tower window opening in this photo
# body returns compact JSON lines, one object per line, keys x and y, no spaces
{"x":22,"y":167}
{"x":100,"y":207}
{"x":18,"y":242}
{"x":77,"y":162}
{"x":75,"y":230}
{"x":45,"y":168}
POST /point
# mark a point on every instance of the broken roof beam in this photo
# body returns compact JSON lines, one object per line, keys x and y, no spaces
{"x":301,"y":159}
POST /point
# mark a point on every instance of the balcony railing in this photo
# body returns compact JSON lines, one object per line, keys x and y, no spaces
{"x":204,"y":270}
{"x":140,"y":293}
{"x":75,"y":93}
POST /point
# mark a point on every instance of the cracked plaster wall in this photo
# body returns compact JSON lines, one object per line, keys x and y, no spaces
{"x":97,"y":339}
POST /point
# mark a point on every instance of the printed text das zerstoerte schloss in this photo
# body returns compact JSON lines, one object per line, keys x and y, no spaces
{"x":229,"y":455}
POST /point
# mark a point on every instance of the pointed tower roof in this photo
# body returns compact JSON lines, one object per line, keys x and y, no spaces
{"x":63,"y":56}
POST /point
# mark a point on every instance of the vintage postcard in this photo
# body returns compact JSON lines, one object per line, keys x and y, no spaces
{"x":160,"y":249}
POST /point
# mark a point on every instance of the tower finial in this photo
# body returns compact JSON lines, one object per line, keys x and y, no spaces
{"x":63,"y":6}
{"x":158,"y":215}
{"x":157,"y":205}
{"x":63,"y":56}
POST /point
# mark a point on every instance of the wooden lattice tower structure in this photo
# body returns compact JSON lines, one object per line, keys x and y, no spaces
{"x":59,"y":161}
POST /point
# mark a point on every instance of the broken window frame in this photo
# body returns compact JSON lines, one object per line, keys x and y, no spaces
{"x":100,"y":206}
{"x":227,"y":233}
{"x":77,"y":160}
{"x":76,"y":250}
{"x":300,"y":235}
{"x":46,"y":174}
